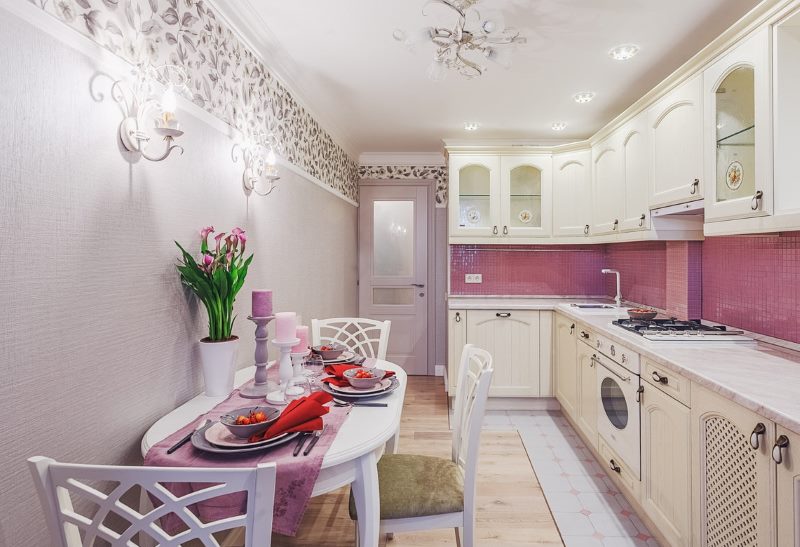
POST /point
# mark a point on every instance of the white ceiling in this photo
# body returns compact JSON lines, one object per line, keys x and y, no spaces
{"x":374,"y":96}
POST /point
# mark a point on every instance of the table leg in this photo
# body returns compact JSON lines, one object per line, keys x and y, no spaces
{"x":367,"y":498}
{"x":393,"y":444}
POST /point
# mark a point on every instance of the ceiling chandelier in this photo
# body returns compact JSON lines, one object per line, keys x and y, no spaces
{"x":477,"y":35}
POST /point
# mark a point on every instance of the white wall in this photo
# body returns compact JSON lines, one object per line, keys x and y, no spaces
{"x":98,"y":338}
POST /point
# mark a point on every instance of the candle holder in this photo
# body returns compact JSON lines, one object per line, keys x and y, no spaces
{"x":285,"y":371}
{"x":260,"y":387}
{"x":298,"y":359}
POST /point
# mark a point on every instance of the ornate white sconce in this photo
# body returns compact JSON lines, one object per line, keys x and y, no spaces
{"x":260,"y":163}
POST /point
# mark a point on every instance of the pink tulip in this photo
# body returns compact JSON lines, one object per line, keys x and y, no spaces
{"x":204,"y":233}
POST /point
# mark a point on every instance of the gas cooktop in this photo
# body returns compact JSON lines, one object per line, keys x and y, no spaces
{"x":674,"y":330}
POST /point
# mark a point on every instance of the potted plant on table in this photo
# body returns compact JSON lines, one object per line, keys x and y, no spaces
{"x":216,"y":278}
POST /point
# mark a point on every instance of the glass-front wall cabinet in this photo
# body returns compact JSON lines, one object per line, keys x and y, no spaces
{"x":736,"y":135}
{"x":474,"y":196}
{"x":526,"y":208}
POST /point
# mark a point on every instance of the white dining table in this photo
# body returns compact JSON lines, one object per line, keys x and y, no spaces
{"x":351,"y":459}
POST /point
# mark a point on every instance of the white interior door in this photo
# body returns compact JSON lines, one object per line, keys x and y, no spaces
{"x":393,"y":268}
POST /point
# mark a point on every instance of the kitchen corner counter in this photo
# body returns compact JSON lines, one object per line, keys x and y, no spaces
{"x":758,"y":376}
{"x":548,"y":303}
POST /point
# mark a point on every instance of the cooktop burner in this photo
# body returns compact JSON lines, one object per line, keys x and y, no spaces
{"x":672,"y":329}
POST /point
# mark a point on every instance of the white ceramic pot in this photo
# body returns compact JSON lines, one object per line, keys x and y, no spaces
{"x":219,"y":365}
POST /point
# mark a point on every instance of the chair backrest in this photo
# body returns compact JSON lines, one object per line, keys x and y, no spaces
{"x":472,"y":391}
{"x":366,"y":337}
{"x":61,"y":484}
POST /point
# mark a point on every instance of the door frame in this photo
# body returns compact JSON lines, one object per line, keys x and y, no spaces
{"x":434,"y":295}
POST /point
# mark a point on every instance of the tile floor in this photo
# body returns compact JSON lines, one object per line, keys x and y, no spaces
{"x":588,"y":509}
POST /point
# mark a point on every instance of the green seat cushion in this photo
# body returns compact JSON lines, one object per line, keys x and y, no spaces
{"x":417,"y":486}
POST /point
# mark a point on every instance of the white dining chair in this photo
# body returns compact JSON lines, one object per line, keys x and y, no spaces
{"x":76,"y":512}
{"x":426,"y":492}
{"x":366,"y":337}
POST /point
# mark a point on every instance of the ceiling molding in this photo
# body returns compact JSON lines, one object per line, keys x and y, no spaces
{"x":253,"y":31}
{"x":401,"y":158}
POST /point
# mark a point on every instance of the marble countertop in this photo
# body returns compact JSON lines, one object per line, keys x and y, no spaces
{"x":518,"y":302}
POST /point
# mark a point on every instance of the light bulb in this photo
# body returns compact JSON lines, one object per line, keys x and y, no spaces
{"x":583,"y":97}
{"x":271,"y":159}
{"x":558,"y":126}
{"x":169,"y":102}
{"x":624,"y":52}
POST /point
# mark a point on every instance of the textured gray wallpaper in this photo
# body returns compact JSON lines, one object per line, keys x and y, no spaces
{"x":98,"y":337}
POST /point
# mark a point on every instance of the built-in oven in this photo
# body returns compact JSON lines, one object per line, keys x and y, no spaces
{"x":618,"y":415}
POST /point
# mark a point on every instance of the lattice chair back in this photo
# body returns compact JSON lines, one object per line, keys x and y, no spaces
{"x":80,"y":515}
{"x":474,"y":379}
{"x":366,"y":337}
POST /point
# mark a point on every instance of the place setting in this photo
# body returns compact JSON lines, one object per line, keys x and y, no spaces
{"x":352,"y":378}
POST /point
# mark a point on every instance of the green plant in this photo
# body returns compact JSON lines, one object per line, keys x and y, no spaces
{"x":217,"y":277}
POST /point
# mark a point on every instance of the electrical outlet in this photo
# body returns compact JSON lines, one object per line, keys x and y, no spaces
{"x":473,"y":278}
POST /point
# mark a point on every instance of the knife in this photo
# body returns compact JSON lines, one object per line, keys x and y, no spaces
{"x":317,"y":435}
{"x":354,"y":403}
{"x":299,"y":446}
{"x":188,"y":436}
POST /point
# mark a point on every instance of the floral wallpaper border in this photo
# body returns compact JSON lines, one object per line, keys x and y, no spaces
{"x":226,"y":79}
{"x":410,"y":172}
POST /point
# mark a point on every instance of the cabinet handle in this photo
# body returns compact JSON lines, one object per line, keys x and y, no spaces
{"x":613,"y":351}
{"x":639,"y":394}
{"x":777,"y":450}
{"x":584,"y":335}
{"x":503,"y":314}
{"x":505,"y":230}
{"x":494,"y":230}
{"x":756,"y":202}
{"x":586,"y":230}
{"x":624,"y":358}
{"x":616,"y":224}
{"x":458,"y":317}
{"x":593,"y":360}
{"x":693,"y":186}
{"x":614,"y":467}
{"x":572,"y":329}
{"x":641,"y":220}
{"x":758,"y":430}
{"x":660,"y":379}
{"x":599,"y":344}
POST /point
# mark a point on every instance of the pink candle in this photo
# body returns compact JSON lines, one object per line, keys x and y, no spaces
{"x":285,"y":326}
{"x":302,"y":334}
{"x":262,"y":303}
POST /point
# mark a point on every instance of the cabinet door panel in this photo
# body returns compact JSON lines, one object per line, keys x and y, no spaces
{"x":566,"y":365}
{"x":788,"y":489}
{"x":587,"y":397}
{"x":608,"y":195}
{"x":636,"y":158}
{"x":456,"y":339}
{"x":572,"y":193}
{"x":526,"y":200}
{"x":666,"y":484}
{"x":474,"y":208}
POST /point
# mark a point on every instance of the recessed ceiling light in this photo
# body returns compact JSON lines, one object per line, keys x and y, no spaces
{"x":471,"y":126}
{"x":559,"y":126}
{"x":624,"y":52}
{"x":583,"y":97}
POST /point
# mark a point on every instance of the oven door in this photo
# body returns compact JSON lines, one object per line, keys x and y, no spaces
{"x":618,"y":415}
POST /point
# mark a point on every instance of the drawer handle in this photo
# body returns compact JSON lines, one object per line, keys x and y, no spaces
{"x":693,"y":187}
{"x":613,"y":351}
{"x":584,"y":335}
{"x":458,"y":317}
{"x":503,"y":314}
{"x":494,"y":230}
{"x":758,"y":431}
{"x":660,"y":379}
{"x":614,"y":467}
{"x":756,"y":202}
{"x":777,"y":450}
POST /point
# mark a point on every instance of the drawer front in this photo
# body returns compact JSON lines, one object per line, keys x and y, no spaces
{"x":617,"y":352}
{"x":671,"y":383}
{"x":618,"y":469}
{"x":585,"y":335}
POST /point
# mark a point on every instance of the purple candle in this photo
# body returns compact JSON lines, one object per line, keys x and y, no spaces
{"x":285,"y":326}
{"x":262,"y":303}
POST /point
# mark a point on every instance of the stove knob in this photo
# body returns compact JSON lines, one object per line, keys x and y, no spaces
{"x":613,"y":351}
{"x":624,"y":358}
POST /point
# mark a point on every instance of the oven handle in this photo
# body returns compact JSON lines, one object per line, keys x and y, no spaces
{"x":623,"y":378}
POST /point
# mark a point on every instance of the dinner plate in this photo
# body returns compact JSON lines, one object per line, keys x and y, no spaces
{"x":199,"y":441}
{"x":219,"y":435}
{"x":383,"y":385}
{"x":336,"y":393}
{"x":346,"y":357}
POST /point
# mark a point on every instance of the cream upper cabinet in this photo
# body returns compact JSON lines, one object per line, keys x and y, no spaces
{"x":738,"y":131}
{"x":636,"y":171}
{"x":526,"y":200}
{"x":733,"y":492}
{"x":786,"y":454}
{"x":608,"y":188}
{"x":666,"y":469}
{"x":676,"y":131}
{"x":566,"y":364}
{"x":512,"y":337}
{"x":456,"y":339}
{"x":572,"y":193}
{"x":474,"y":196}
{"x":587,"y":393}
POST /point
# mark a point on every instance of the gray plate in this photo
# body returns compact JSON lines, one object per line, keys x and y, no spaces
{"x":201,"y":443}
{"x":345,"y":396}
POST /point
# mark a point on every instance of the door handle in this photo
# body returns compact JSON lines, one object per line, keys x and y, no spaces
{"x":614,"y":466}
{"x":418,"y":285}
{"x":505,"y":230}
{"x":756,"y":201}
{"x":693,"y":187}
{"x":641,"y":220}
{"x":777,"y":450}
{"x":503,"y":314}
{"x":458,"y":317}
{"x":494,"y":230}
{"x":586,"y":229}
{"x":758,"y":431}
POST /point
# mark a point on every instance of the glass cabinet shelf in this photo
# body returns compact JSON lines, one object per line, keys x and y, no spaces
{"x":743,"y":137}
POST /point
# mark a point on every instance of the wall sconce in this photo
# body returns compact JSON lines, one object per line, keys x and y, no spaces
{"x":140,"y":107}
{"x":260,"y":163}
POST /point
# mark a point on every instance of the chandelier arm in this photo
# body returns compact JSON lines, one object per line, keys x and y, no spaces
{"x":236,"y":153}
{"x":469,"y":65}
{"x":167,"y":152}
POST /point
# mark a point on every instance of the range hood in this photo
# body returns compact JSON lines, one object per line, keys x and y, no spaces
{"x":693,"y":208}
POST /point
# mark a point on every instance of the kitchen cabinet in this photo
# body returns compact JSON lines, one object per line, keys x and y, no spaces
{"x":566,"y":364}
{"x":786,"y":454}
{"x":474,"y":195}
{"x":587,"y":393}
{"x":526,"y":206}
{"x":732,"y":466}
{"x":676,"y":141}
{"x":738,"y":131}
{"x":636,"y":173}
{"x":456,"y":339}
{"x":572,"y":193}
{"x":666,"y":477}
{"x":608,"y":187}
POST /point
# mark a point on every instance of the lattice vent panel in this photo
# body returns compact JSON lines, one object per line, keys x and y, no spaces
{"x":731,"y":500}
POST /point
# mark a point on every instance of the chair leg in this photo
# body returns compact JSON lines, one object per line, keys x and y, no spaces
{"x":468,"y":532}
{"x":358,"y":540}
{"x":390,"y":536}
{"x":458,"y":537}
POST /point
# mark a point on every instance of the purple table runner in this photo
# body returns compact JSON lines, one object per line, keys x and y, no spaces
{"x":295,"y":481}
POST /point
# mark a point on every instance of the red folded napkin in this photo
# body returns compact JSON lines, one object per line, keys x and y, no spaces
{"x":337,"y":374}
{"x":303,"y":414}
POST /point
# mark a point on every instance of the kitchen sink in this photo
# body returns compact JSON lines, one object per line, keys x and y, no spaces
{"x":593,"y":306}
{"x":599,"y":309}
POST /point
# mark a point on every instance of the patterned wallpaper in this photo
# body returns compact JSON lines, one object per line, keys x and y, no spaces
{"x":227,"y":80}
{"x":410,"y":172}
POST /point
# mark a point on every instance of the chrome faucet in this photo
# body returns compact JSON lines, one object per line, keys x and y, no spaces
{"x":618,"y":298}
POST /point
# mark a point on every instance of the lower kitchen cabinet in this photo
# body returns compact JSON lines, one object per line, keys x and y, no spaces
{"x":666,"y":478}
{"x":786,"y":454}
{"x":456,"y":339}
{"x":733,"y":493}
{"x":587,"y":393}
{"x":565,"y":364}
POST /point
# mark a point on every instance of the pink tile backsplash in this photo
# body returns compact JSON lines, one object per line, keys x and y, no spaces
{"x":684,"y":279}
{"x":642,"y":266}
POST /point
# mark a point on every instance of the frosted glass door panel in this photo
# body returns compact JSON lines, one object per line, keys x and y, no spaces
{"x":393,"y":238}
{"x":736,"y":130}
{"x":386,"y":296}
{"x":475,"y":196}
{"x":526,"y":197}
